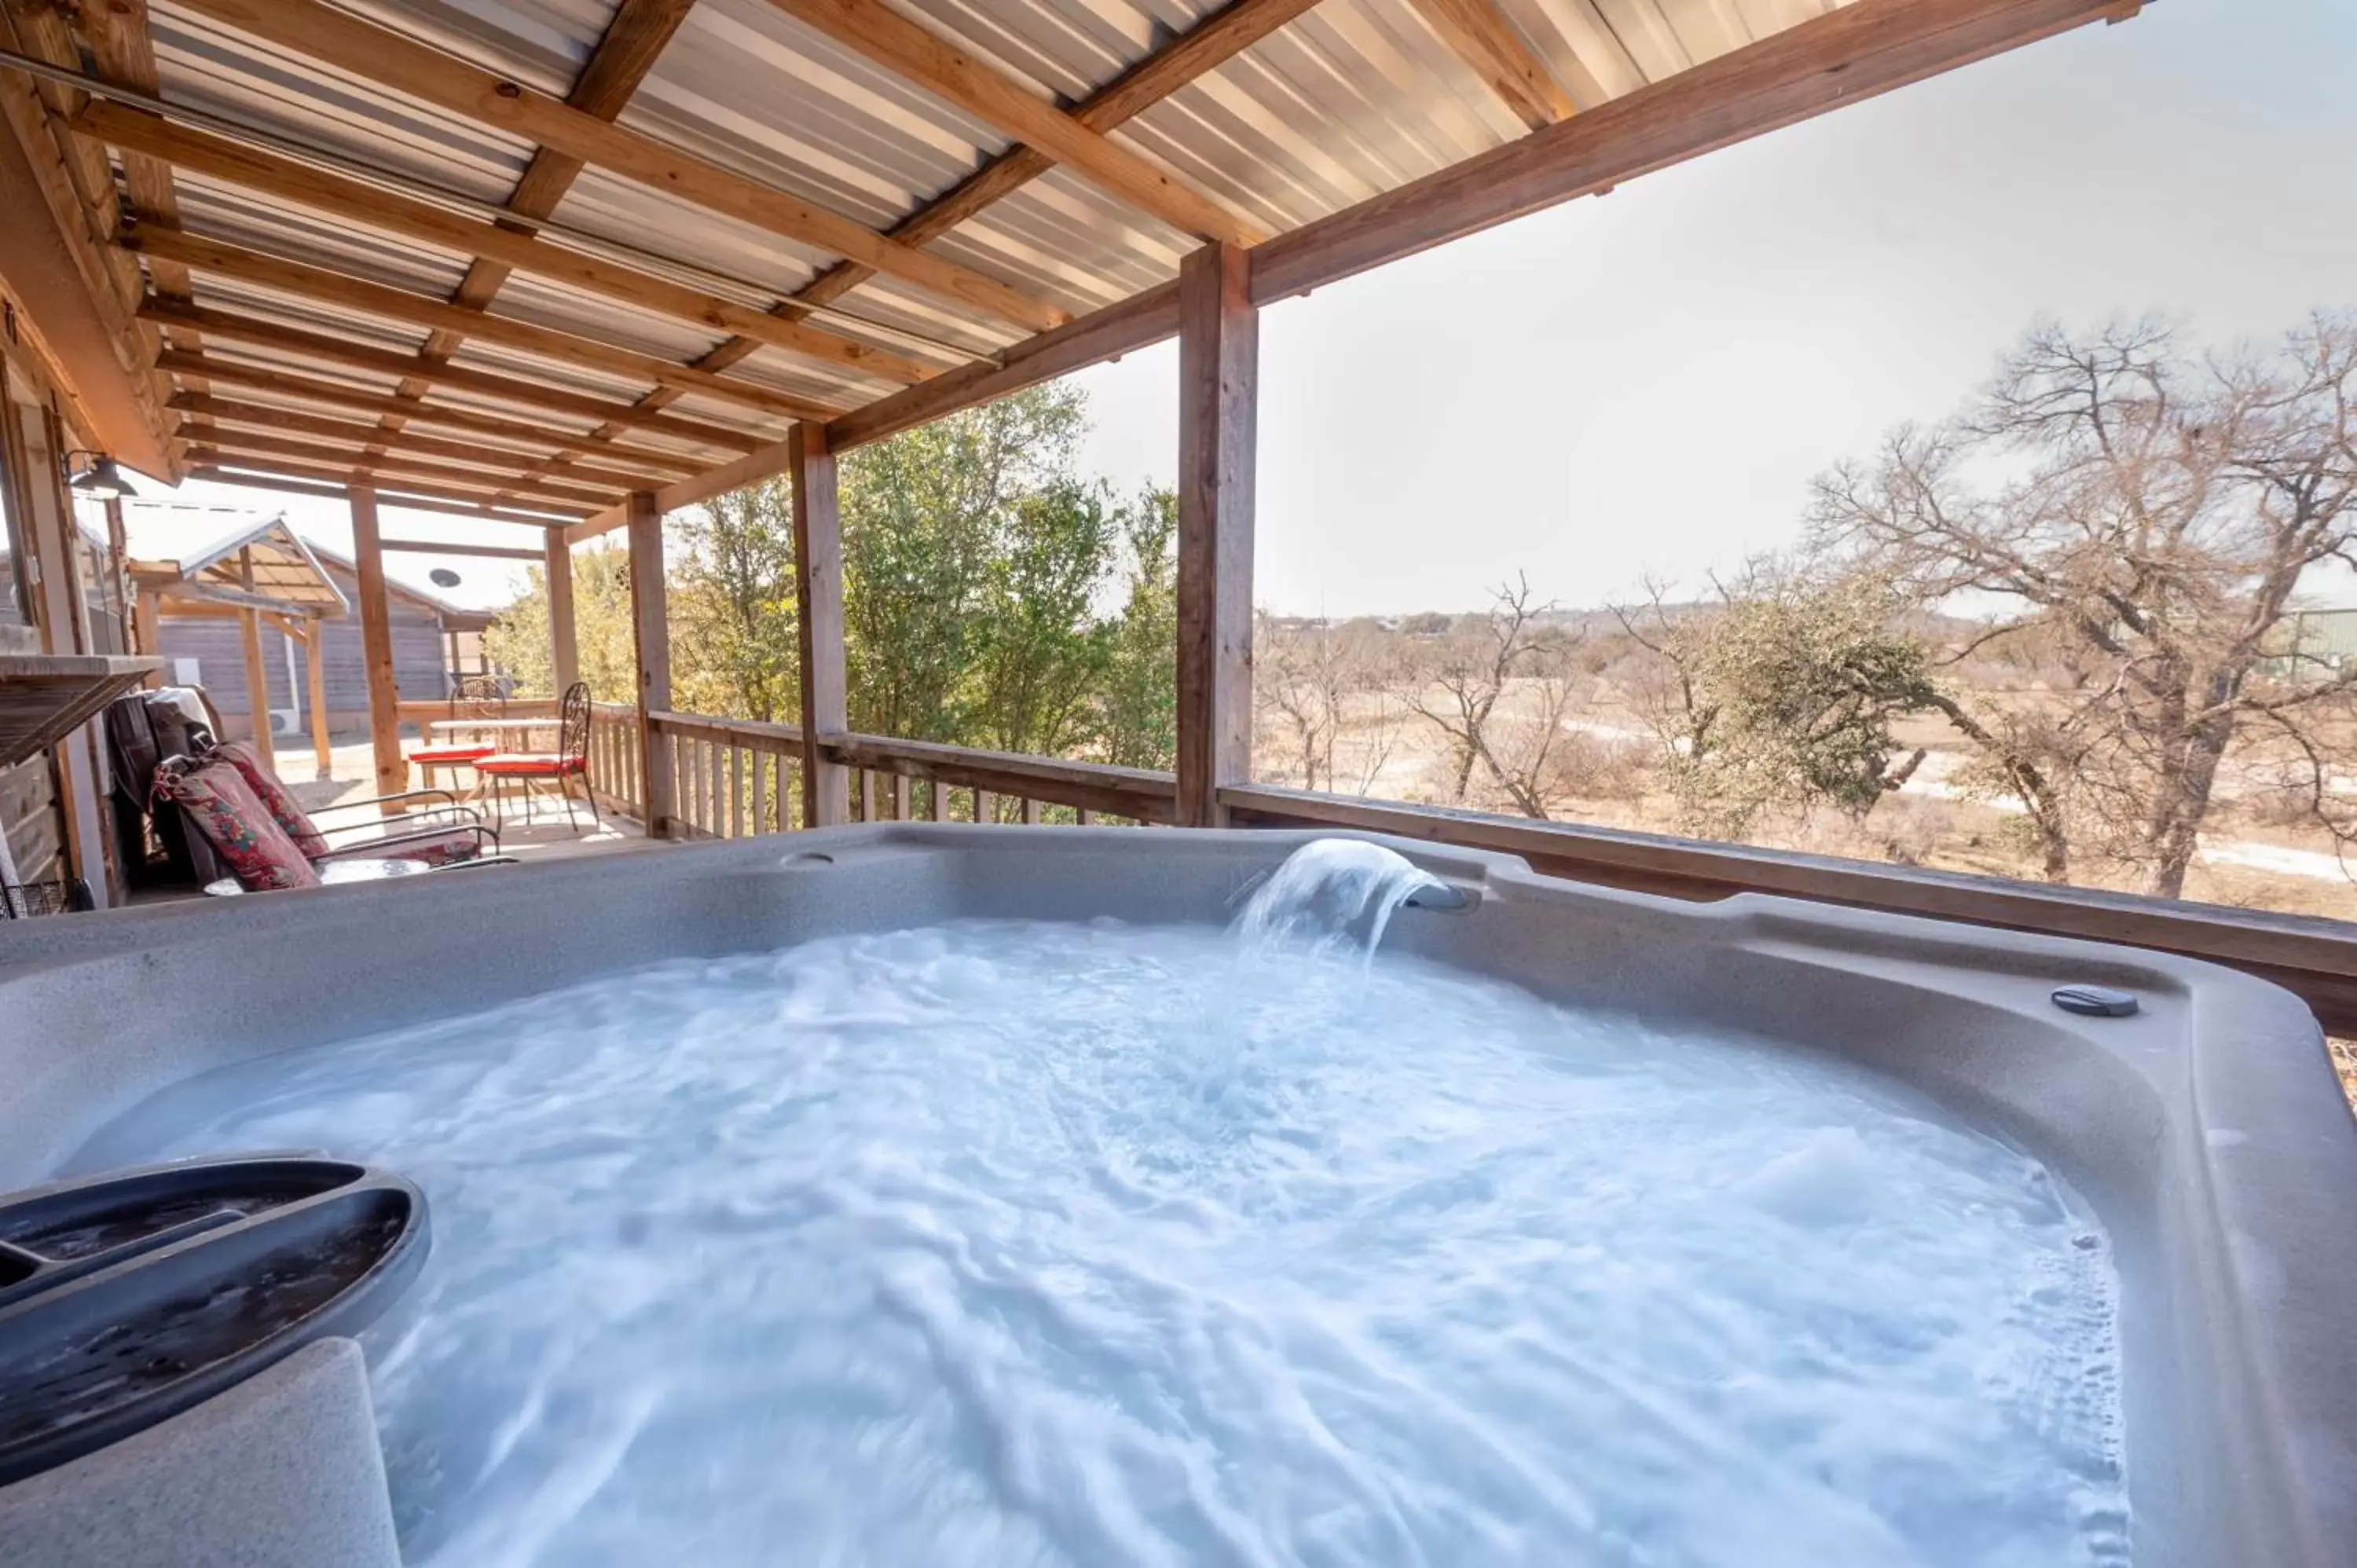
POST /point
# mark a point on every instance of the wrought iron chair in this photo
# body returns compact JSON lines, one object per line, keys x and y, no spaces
{"x":472,"y":697}
{"x":568,"y":762}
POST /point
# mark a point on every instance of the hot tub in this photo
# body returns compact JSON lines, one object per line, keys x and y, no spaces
{"x":2206,"y":1131}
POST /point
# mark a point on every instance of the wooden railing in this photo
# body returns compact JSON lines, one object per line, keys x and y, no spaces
{"x":733,"y":778}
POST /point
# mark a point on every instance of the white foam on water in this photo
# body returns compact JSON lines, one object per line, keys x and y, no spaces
{"x":1019,"y":1243}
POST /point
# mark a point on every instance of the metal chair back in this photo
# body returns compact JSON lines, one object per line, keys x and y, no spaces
{"x":477,"y":697}
{"x":572,"y":724}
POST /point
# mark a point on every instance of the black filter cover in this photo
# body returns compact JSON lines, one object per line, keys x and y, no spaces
{"x":126,"y":1298}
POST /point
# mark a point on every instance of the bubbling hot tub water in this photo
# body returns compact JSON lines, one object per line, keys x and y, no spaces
{"x":1001,"y":1243}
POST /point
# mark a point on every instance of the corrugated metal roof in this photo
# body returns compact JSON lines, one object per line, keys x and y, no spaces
{"x":1349,"y":100}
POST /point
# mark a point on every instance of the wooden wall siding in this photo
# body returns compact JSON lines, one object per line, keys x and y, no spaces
{"x":29,"y":791}
{"x":417,"y":660}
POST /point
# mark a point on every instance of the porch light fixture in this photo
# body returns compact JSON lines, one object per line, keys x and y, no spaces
{"x":103,"y":480}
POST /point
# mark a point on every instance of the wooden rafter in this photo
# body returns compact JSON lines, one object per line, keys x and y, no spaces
{"x":307,"y":281}
{"x":527,"y":465}
{"x":942,"y":68}
{"x":157,"y":139}
{"x":1478,"y":33}
{"x":203,"y":434}
{"x":336,"y":489}
{"x":1194,"y":53}
{"x":204,"y":459}
{"x":311,"y":391}
{"x":436,"y":547}
{"x":398,"y":362}
{"x":388,"y":59}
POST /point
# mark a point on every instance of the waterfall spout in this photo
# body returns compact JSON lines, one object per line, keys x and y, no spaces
{"x":1339,"y":894}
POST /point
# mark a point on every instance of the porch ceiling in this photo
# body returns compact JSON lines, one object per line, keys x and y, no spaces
{"x":516,"y":258}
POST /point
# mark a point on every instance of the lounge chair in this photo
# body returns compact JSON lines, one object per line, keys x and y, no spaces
{"x":268,"y":843}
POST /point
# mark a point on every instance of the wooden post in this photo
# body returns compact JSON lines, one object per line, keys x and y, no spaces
{"x":147,"y":622}
{"x":651,"y":626}
{"x":818,"y":583}
{"x":257,"y":674}
{"x":315,"y":664}
{"x":1218,"y":386}
{"x":376,"y":644}
{"x":564,"y":657}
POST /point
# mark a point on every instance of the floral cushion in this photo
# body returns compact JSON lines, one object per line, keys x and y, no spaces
{"x":274,"y":798}
{"x":224,"y":808}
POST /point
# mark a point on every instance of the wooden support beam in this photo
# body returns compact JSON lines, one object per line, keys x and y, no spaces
{"x":220,"y":259}
{"x":1142,"y":319}
{"x":209,"y":459}
{"x":147,"y":624}
{"x":1846,"y":55}
{"x":376,"y":645}
{"x":308,"y":389}
{"x":201,"y":433}
{"x":257,"y":674}
{"x":383,"y":209}
{"x":563,"y":651}
{"x":401,"y":363}
{"x":651,"y":628}
{"x":949,"y":72}
{"x":526,"y":466}
{"x":1197,"y":52}
{"x":336,"y":489}
{"x":437,"y":547}
{"x":1866,"y":47}
{"x":818,"y":591}
{"x":1219,"y":389}
{"x":389,"y":59}
{"x":1478,"y":33}
{"x":314,"y":666}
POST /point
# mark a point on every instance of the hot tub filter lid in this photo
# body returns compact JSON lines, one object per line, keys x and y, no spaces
{"x":129,"y":1297}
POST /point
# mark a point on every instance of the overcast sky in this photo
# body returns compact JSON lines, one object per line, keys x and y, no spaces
{"x":1646,"y":381}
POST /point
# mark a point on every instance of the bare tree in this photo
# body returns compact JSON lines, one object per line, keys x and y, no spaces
{"x":1500,"y":687}
{"x":1325,"y":692}
{"x":2150,"y":515}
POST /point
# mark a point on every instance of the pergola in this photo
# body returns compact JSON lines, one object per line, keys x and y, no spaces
{"x":564,"y":266}
{"x":260,"y":572}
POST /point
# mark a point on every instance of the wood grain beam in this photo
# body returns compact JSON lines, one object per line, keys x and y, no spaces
{"x":389,"y":59}
{"x":950,"y":73}
{"x":1478,"y":33}
{"x":1866,"y":49}
{"x":231,"y":411}
{"x":300,"y":278}
{"x":155,"y":139}
{"x":1219,"y":398}
{"x":206,"y":437}
{"x":397,"y":363}
{"x":334,"y":394}
{"x":351,"y":476}
{"x":1197,"y":52}
{"x":434,"y":547}
{"x":337,"y":490}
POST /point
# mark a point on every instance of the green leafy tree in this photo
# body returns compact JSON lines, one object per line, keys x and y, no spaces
{"x":604,"y":641}
{"x":1140,"y":722}
{"x":734,"y":617}
{"x":1782,"y":696}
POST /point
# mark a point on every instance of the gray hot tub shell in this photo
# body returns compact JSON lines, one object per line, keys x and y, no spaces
{"x":2207,"y":1130}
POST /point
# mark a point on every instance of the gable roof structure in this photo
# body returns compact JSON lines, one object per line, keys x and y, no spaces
{"x":228,"y":556}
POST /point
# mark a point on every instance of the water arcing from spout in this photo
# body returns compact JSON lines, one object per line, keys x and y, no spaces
{"x":1334,"y":896}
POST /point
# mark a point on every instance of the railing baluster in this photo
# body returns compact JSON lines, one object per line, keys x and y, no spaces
{"x":714,"y":765}
{"x":938,"y":799}
{"x":1088,"y":818}
{"x":899,"y":797}
{"x":761,"y":792}
{"x":985,"y":806}
{"x":1031,"y":809}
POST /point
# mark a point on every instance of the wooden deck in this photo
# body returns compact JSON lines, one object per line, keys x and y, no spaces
{"x":545,"y":838}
